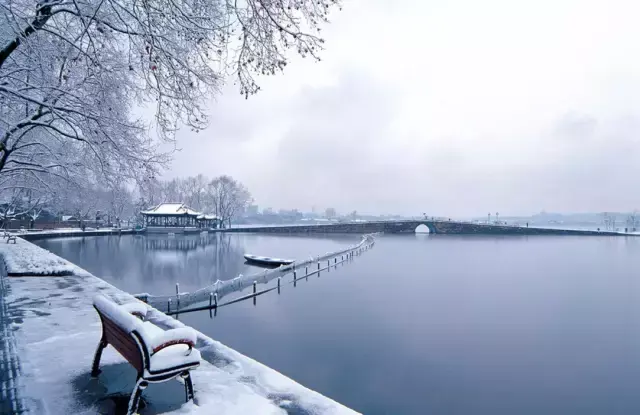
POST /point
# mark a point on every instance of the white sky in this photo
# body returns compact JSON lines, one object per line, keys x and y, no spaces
{"x":452,"y":108}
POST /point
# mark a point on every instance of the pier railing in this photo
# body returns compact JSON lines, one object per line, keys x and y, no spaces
{"x":210,"y":297}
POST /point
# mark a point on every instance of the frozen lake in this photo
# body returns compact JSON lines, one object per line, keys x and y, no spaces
{"x":420,"y":324}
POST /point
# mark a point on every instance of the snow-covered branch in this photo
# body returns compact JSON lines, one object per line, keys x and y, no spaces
{"x":72,"y":72}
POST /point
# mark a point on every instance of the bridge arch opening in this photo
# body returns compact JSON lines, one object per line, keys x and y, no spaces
{"x":422,"y":228}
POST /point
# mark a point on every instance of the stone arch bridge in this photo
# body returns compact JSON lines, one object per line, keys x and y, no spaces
{"x":409,"y":226}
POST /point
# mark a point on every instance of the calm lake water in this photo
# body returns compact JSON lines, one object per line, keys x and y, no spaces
{"x":421,"y":324}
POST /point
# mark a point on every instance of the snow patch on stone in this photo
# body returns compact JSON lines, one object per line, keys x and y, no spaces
{"x":24,"y":258}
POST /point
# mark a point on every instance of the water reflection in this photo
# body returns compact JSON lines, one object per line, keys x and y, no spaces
{"x":421,"y":324}
{"x":457,"y":325}
{"x":155,"y":263}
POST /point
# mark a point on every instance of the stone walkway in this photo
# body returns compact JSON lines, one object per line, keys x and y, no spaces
{"x":10,"y":371}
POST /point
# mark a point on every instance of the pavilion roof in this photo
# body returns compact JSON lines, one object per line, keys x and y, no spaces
{"x":168,"y":209}
{"x":208,"y":217}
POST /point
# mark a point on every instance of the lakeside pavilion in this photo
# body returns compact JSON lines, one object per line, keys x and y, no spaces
{"x":208,"y":221}
{"x":177,"y":217}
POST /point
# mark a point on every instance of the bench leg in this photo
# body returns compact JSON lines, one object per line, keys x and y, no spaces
{"x":95,"y":368}
{"x":134,"y":401}
{"x":188,"y":385}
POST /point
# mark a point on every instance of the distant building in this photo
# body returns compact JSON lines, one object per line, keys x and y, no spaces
{"x":289,"y":215}
{"x":177,"y":218}
{"x":330,"y":213}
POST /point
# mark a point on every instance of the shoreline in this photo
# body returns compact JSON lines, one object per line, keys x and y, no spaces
{"x":53,"y":325}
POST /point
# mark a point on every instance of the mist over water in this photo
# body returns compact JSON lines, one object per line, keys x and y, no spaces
{"x":421,"y":324}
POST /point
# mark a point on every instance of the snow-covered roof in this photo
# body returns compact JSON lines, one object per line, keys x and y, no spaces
{"x":171,"y":209}
{"x":208,"y":217}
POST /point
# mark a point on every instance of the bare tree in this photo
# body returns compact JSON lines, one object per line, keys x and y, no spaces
{"x":227,"y":198}
{"x":195,"y":190}
{"x":78,"y":200}
{"x":34,"y":214}
{"x":150,"y":192}
{"x":10,"y":206}
{"x":71,"y":73}
{"x":174,"y":191}
{"x":118,"y":202}
{"x":20,"y":198}
{"x":632,"y":221}
{"x":609,"y":221}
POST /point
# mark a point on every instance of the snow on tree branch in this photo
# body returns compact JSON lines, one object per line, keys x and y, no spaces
{"x":73,"y":71}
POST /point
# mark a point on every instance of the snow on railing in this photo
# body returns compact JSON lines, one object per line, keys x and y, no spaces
{"x":213,"y":293}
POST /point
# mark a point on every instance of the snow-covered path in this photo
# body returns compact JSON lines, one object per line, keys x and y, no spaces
{"x":56,"y":331}
{"x":10,"y":402}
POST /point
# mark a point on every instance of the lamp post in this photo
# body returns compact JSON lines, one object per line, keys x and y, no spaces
{"x":489,"y":219}
{"x":497,"y":218}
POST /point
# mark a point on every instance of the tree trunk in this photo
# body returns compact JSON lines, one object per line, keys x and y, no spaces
{"x":42,"y":15}
{"x":4,"y":155}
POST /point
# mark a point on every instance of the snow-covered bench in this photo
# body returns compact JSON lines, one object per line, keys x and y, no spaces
{"x":156,"y":354}
{"x":9,"y":237}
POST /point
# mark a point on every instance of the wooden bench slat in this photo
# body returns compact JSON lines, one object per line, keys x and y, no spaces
{"x":123,"y":342}
{"x":130,"y":343}
{"x":132,"y":356}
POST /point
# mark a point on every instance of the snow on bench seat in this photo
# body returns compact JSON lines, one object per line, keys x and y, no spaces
{"x":157,"y":355}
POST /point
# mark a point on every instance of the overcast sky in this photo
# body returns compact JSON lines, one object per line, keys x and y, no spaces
{"x":449,"y":107}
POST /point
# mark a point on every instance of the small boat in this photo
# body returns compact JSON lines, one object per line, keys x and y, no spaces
{"x":266,"y":261}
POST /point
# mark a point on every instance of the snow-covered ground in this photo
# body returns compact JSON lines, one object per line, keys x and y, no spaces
{"x":25,"y":258}
{"x":67,"y":231}
{"x":61,"y":230}
{"x":56,"y":330}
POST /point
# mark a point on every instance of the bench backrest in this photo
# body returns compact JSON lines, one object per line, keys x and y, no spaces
{"x":121,"y":330}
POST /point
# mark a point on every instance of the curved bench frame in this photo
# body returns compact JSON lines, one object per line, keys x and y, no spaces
{"x":9,"y":237}
{"x":133,"y":348}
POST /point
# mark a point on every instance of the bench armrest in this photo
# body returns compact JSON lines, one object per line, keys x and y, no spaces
{"x":171,"y":337}
{"x":136,"y":308}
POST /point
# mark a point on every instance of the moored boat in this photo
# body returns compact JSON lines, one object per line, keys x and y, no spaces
{"x":267,"y":261}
